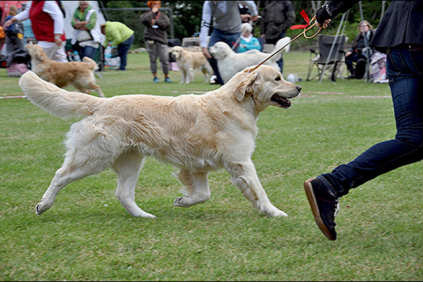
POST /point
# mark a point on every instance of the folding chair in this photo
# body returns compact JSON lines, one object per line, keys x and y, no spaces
{"x":328,"y":45}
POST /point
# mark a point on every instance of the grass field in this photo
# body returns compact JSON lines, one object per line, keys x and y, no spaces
{"x":87,"y":234}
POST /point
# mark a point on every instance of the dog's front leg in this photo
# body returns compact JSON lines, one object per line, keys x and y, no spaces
{"x":196,"y":188}
{"x":244,"y":176}
{"x":183,"y":78}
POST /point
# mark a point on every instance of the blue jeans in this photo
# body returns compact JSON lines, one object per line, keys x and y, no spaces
{"x":87,"y":51}
{"x":228,"y":37}
{"x":405,"y":73}
{"x":123,"y":49}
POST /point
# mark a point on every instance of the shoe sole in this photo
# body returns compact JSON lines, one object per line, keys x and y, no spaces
{"x":315,"y":209}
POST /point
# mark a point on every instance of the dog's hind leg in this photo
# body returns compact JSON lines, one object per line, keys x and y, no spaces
{"x":69,"y":172}
{"x":244,"y":176}
{"x":127,"y":167}
{"x":196,"y":188}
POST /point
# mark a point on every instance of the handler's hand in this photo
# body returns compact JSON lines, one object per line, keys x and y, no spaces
{"x":206,"y":52}
{"x":8,"y":23}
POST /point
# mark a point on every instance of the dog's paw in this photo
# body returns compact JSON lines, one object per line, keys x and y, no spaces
{"x":179,"y":202}
{"x":275,"y":213}
{"x":40,"y":208}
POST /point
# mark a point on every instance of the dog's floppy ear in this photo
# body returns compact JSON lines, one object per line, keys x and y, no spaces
{"x":246,"y":84}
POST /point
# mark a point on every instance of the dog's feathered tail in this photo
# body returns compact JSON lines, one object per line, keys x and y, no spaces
{"x":55,"y":100}
{"x":281,"y":42}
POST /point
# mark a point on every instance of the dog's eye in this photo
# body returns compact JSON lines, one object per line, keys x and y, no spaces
{"x":278,"y":78}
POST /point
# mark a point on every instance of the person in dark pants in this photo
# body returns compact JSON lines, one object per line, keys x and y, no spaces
{"x":156,"y":25}
{"x":400,"y":35}
{"x":226,"y":27}
{"x":277,"y":16}
{"x":121,"y":36}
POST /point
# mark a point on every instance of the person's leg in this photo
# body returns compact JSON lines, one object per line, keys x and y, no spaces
{"x":88,"y":51}
{"x":164,"y":60}
{"x":406,"y":82}
{"x":349,"y":62}
{"x":123,"y":49}
{"x":152,"y":50}
{"x":215,"y":36}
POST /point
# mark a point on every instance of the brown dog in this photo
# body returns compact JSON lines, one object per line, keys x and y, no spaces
{"x":79,"y":74}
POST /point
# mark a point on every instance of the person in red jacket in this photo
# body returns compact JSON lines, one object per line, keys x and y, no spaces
{"x":48,"y":26}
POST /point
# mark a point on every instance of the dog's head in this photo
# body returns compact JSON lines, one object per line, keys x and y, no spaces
{"x":177,"y":52}
{"x":266,"y":87}
{"x":36,"y":52}
{"x":220,"y":50}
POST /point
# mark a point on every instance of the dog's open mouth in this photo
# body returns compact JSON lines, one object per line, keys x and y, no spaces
{"x":282,"y":102}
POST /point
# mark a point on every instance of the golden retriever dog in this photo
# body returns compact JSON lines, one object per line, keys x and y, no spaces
{"x":194,"y":133}
{"x":188,"y":62}
{"x":80,"y":74}
{"x":230,"y":63}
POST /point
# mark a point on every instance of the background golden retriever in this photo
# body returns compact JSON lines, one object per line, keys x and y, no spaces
{"x":80,"y":74}
{"x":195,"y":133}
{"x":188,"y":62}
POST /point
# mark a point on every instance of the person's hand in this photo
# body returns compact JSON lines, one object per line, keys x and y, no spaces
{"x":348,"y":54}
{"x":254,"y":18}
{"x":8,"y":23}
{"x":323,"y":16}
{"x":58,"y":40}
{"x":206,"y":52}
{"x":245,"y":17}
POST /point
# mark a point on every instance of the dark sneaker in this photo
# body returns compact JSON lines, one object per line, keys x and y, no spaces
{"x":324,"y":206}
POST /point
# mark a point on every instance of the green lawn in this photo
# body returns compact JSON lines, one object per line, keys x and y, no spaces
{"x":87,"y":234}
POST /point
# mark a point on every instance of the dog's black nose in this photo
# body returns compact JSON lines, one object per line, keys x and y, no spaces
{"x":298,"y":88}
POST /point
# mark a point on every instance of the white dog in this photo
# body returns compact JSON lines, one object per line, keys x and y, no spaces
{"x":195,"y":133}
{"x":229,"y":62}
{"x":188,"y":62}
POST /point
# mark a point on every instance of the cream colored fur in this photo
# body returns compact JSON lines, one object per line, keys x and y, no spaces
{"x":230,"y":63}
{"x":194,"y":133}
{"x":79,"y":74}
{"x":188,"y":62}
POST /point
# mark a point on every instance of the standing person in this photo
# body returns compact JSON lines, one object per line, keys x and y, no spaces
{"x":48,"y":26}
{"x":156,"y":24}
{"x":358,"y":51}
{"x":276,"y":18}
{"x":226,"y":27}
{"x":121,"y":36}
{"x":14,"y":34}
{"x":87,"y":33}
{"x":400,"y":35}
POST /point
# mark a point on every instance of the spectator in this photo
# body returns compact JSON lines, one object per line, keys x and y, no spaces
{"x":87,"y":33}
{"x":400,"y":34}
{"x":276,"y":18}
{"x":14,"y":34}
{"x":360,"y":49}
{"x":156,"y":24}
{"x":121,"y":36}
{"x":248,"y":41}
{"x":226,"y":27}
{"x":48,"y":26}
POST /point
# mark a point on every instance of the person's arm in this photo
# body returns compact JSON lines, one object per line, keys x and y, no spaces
{"x":52,"y":8}
{"x":205,"y":28}
{"x":332,"y":9}
{"x":289,"y":15}
{"x":19,"y":17}
{"x":253,"y":9}
{"x":162,"y":22}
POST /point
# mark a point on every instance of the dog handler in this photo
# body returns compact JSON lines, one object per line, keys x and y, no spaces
{"x":400,"y":35}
